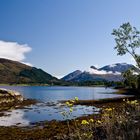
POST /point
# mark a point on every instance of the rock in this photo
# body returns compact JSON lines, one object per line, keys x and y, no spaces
{"x":9,"y":96}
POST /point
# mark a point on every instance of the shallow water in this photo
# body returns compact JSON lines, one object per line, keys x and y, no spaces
{"x":50,"y":108}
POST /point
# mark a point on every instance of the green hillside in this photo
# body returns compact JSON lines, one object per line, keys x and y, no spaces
{"x":13,"y":72}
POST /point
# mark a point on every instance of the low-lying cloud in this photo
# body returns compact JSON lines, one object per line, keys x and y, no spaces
{"x":102,"y":72}
{"x":14,"y":51}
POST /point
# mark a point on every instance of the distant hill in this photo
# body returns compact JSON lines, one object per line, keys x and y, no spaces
{"x":106,"y":73}
{"x":13,"y":72}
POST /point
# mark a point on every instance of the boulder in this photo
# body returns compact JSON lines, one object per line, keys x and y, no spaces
{"x":9,"y":96}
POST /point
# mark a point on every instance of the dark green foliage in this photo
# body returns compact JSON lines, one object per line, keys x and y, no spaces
{"x":127,"y":40}
{"x":130,"y":79}
{"x":37,"y":76}
{"x":138,"y":82}
{"x":118,"y":84}
{"x":12,"y":72}
{"x":91,"y":83}
{"x":98,"y":83}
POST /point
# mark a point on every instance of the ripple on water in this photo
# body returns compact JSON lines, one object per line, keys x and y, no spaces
{"x":50,"y":108}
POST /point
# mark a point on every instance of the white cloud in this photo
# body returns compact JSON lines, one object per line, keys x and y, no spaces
{"x":14,"y":51}
{"x":101,"y":72}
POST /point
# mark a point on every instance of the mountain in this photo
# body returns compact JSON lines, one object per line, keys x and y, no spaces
{"x":118,"y":67}
{"x":106,"y":73}
{"x":93,"y":67}
{"x":13,"y":72}
{"x":72,"y":75}
{"x":87,"y":76}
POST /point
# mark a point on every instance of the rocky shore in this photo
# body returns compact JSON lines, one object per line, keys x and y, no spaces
{"x":13,"y":99}
{"x":9,"y":96}
{"x":119,"y":120}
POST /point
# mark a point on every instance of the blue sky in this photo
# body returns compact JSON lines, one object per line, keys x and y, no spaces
{"x":66,"y":35}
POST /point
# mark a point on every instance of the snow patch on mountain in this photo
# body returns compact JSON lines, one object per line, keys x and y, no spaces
{"x":113,"y":65}
{"x":109,"y":73}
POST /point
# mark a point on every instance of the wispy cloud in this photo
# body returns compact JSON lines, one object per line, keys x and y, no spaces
{"x":101,"y":72}
{"x":14,"y":51}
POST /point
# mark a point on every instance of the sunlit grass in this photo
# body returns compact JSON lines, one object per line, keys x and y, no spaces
{"x":114,"y":122}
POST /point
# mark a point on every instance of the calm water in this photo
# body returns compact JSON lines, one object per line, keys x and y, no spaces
{"x":50,"y":108}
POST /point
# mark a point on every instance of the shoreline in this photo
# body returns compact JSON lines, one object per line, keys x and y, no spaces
{"x":62,"y":129}
{"x":13,"y":99}
{"x":55,"y":129}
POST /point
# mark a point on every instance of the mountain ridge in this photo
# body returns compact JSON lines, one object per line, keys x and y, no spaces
{"x":14,"y":72}
{"x":107,"y":73}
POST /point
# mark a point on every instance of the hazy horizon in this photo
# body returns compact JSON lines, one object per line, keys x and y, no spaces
{"x":62,"y":36}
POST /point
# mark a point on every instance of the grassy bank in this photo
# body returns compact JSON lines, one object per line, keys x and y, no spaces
{"x":103,"y":101}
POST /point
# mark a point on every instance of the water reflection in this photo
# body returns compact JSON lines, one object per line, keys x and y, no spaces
{"x":50,"y":108}
{"x":41,"y":112}
{"x":15,"y":117}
